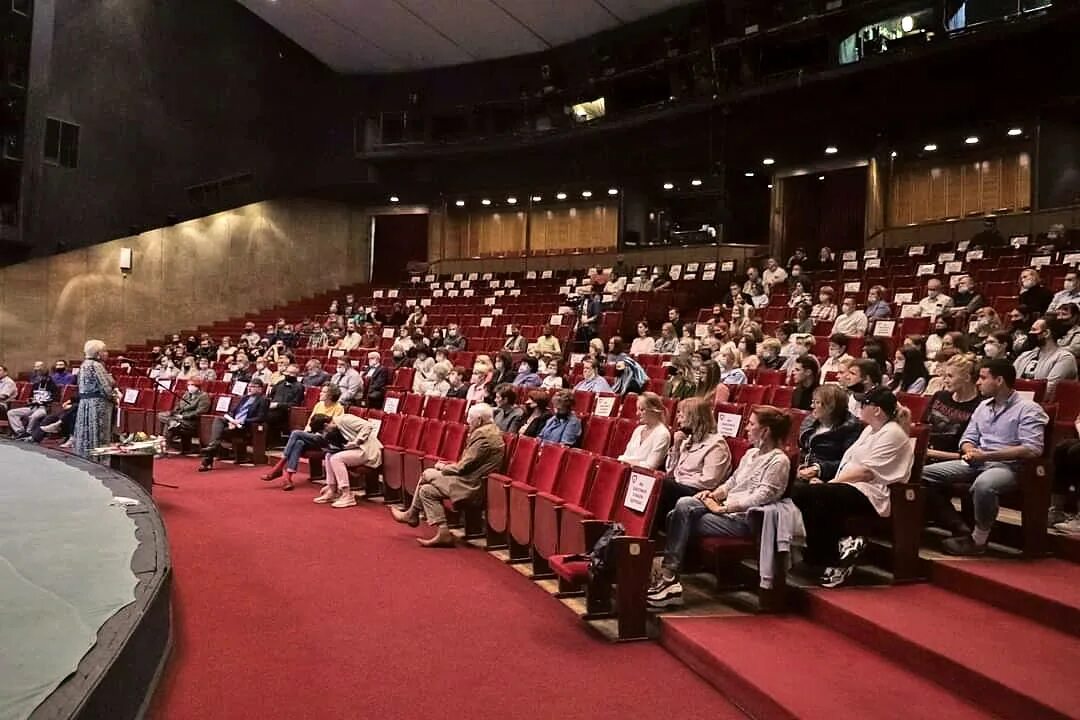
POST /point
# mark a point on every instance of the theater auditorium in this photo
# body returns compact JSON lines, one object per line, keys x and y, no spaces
{"x":539,"y":359}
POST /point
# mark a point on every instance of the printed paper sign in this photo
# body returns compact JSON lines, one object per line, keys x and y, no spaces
{"x":909,"y":311}
{"x":916,"y":250}
{"x":710,"y":266}
{"x":946,"y":257}
{"x":872,"y":263}
{"x":377,"y":294}
{"x":430,"y":278}
{"x":954,"y":280}
{"x":675,"y":272}
{"x":355,"y":363}
{"x":489,"y":301}
{"x":227,"y":377}
{"x":434,"y":286}
{"x":954,"y":267}
{"x":690,"y":276}
{"x":555,"y":320}
{"x":576,"y":358}
{"x":425,"y":302}
{"x":453,"y":293}
{"x":130,"y":396}
{"x":485,"y":322}
{"x":390,"y":405}
{"x":515,"y":293}
{"x":903,"y":297}
{"x":701,"y":330}
{"x":392,"y":294}
{"x":438,"y":293}
{"x":387,"y":333}
{"x":872,"y":253}
{"x":728,"y":424}
{"x":486,"y":276}
{"x":472,"y":276}
{"x":927,"y":269}
{"x":884,"y":328}
{"x":692,"y":267}
{"x":457,"y":276}
{"x":1071,"y":259}
{"x":494,"y":284}
{"x":415,"y":279}
{"x":973,"y":326}
{"x":496,"y":311}
{"x":500,"y":293}
{"x":1040,"y":261}
{"x":411,"y":302}
{"x":851,"y":265}
{"x":449,"y":285}
{"x":565,"y":290}
{"x":973,"y":255}
{"x":546,"y":275}
{"x":963,"y":245}
{"x":708,"y":275}
{"x":852,"y":287}
{"x":531,"y":275}
{"x":341,"y":353}
{"x":604,"y":405}
{"x":376,"y":425}
{"x":222,"y":404}
{"x":638,"y":491}
{"x":468,"y":293}
{"x":239,"y":387}
{"x":571,"y":281}
{"x":849,"y":255}
{"x":1019,"y":240}
{"x":508,"y":283}
{"x":728,"y":266}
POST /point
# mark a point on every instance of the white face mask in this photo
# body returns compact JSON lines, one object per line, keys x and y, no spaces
{"x":932,"y":294}
{"x":192,"y":388}
{"x":1028,"y":284}
{"x":1070,"y":285}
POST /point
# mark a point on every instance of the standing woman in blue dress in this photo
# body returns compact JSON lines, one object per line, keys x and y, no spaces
{"x":93,"y":423}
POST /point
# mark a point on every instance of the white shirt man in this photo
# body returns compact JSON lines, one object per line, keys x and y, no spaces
{"x":773,"y":273}
{"x":1071,"y":293}
{"x":250,"y":335}
{"x":8,"y":389}
{"x":640,"y":283}
{"x":935,"y":301}
{"x":851,"y":321}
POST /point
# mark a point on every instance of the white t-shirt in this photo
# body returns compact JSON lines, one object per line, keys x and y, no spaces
{"x":888,"y":454}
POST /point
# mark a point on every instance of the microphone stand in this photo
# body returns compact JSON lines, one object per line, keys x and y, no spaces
{"x":158,"y":386}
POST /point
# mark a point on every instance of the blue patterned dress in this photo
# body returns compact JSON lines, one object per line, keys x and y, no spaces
{"x":93,"y":421}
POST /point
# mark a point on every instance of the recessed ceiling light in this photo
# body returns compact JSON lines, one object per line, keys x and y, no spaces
{"x":748,"y":174}
{"x":770,"y":186}
{"x":695,"y":182}
{"x":511,"y":200}
{"x":394,"y":198}
{"x":537,"y":198}
{"x":485,"y":201}
{"x":831,"y":150}
{"x":669,"y":186}
{"x":613,"y":191}
{"x":460,"y":203}
{"x":820,"y":177}
{"x":893,"y":154}
{"x":560,"y":196}
{"x":586,"y":193}
{"x":930,"y":147}
{"x":971,"y":140}
{"x":768,"y":161}
{"x":1013,"y":132}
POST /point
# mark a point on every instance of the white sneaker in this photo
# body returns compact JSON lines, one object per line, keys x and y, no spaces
{"x":346,"y":500}
{"x":836,"y":576}
{"x":1071,"y":526}
{"x":850,"y":549}
{"x":327,"y":495}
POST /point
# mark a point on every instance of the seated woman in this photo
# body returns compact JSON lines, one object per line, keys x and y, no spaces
{"x":355,"y":443}
{"x":730,"y":372}
{"x":760,"y":479}
{"x":527,"y":374}
{"x":911,"y":375}
{"x":643,"y":344}
{"x":748,"y":351}
{"x":553,"y":375}
{"x":651,"y":440}
{"x":949,"y":410}
{"x":537,"y":413}
{"x":680,"y":383}
{"x":800,"y":294}
{"x":507,"y":415}
{"x":769,"y":354}
{"x":504,"y":370}
{"x":478,"y":386}
{"x":699,"y":458}
{"x":312,"y":437}
{"x":807,"y":380}
{"x":804,"y":322}
{"x":881,"y":456}
{"x":438,"y":384}
{"x":838,"y":355}
{"x":826,"y":434}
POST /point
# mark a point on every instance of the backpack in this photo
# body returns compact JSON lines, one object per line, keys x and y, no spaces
{"x":600,"y":564}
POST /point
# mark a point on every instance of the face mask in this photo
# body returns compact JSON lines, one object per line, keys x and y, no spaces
{"x":1035,"y":339}
{"x":1028,"y":284}
{"x":1070,"y":285}
{"x":939,"y":331}
{"x":563,"y":412}
{"x":452,"y":333}
{"x":931,"y":294}
{"x":290,"y":378}
{"x":991,"y":349}
{"x":373,"y":363}
{"x":192,"y":388}
{"x":823,"y":299}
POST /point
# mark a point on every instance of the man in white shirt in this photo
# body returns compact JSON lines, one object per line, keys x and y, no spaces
{"x":935,"y":301}
{"x":8,"y":389}
{"x":773,"y":274}
{"x":250,"y":335}
{"x":1071,"y":293}
{"x":851,"y":321}
{"x":641,"y":282}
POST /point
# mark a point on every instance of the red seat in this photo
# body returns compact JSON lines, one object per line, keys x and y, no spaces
{"x":770,"y":377}
{"x":393,"y":455}
{"x":917,"y":404}
{"x":545,"y":473}
{"x":454,"y":410}
{"x":498,"y":488}
{"x":583,"y":402}
{"x":433,"y":408}
{"x":781,"y":396}
{"x":749,"y":394}
{"x":412,"y":404}
{"x":797,"y":417}
{"x":629,"y":406}
{"x":1067,"y":397}
{"x":596,"y":434}
{"x":403,"y":379}
{"x":609,"y":479}
{"x":572,"y":486}
{"x":311,"y":396}
{"x":431,"y":437}
{"x":1037,"y":387}
{"x":389,"y":428}
{"x":620,"y":437}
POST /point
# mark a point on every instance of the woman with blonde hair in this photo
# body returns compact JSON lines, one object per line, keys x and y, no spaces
{"x":651,"y":440}
{"x":680,"y":383}
{"x":698,"y":459}
{"x":950,"y":409}
{"x":97,"y":395}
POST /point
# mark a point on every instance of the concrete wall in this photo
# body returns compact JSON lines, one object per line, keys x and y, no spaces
{"x":195,"y":272}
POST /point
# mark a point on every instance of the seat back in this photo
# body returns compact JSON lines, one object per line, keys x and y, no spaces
{"x":782,"y":396}
{"x":403,"y":378}
{"x":921,"y":434}
{"x":390,"y":429}
{"x":597,"y":433}
{"x":412,"y":404}
{"x":629,"y":406}
{"x":431,"y":436}
{"x":770,"y":377}
{"x":1036,"y":387}
{"x":797,"y":417}
{"x":620,"y":437}
{"x":412,"y":426}
{"x":453,"y":440}
{"x":915,"y":403}
{"x":454,"y":410}
{"x":737,"y":447}
{"x":575,"y":480}
{"x":311,"y":396}
{"x":433,"y":408}
{"x":1067,"y":397}
{"x":608,"y":483}
{"x":583,"y":402}
{"x":521,"y":461}
{"x":749,"y":394}
{"x":549,"y":465}
{"x":393,"y":402}
{"x":636,"y":508}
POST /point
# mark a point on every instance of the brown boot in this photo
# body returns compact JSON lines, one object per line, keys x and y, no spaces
{"x":407,"y":517}
{"x":442,"y":538}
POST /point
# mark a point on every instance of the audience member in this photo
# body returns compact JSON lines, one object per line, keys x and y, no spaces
{"x":1004,"y":431}
{"x":699,"y":458}
{"x":825,"y":310}
{"x":537,"y":412}
{"x":649,"y":443}
{"x":768,"y":353}
{"x":250,"y":336}
{"x":507,"y":416}
{"x":24,"y":421}
{"x":312,"y":437}
{"x":826,"y":434}
{"x":675,"y":320}
{"x":563,"y":427}
{"x":515,"y":341}
{"x":773,"y":275}
{"x":997,"y":346}
{"x":1069,"y":296}
{"x":910,"y":373}
{"x":373,"y":383}
{"x":876,"y":307}
{"x":882,"y":455}
{"x":1020,"y":320}
{"x":668,"y":342}
{"x":800,"y":294}
{"x":1068,"y":317}
{"x":458,"y":387}
{"x":439,"y":384}
{"x":630,"y":377}
{"x":61,"y":376}
{"x":760,"y":479}
{"x":353,"y":443}
{"x":98,"y":394}
{"x":1045,"y":359}
{"x":182,"y":422}
{"x":643,"y":344}
{"x":592,"y":380}
{"x":966,"y":300}
{"x":860,"y":377}
{"x":851,"y":321}
{"x":460,"y":482}
{"x":807,"y":377}
{"x":348,"y":380}
{"x":950,"y":409}
{"x":1033,"y":294}
{"x":936,"y":302}
{"x":314,"y":375}
{"x":547,"y":345}
{"x":680,"y":383}
{"x":804,"y":320}
{"x":838,"y":355}
{"x":236,"y":426}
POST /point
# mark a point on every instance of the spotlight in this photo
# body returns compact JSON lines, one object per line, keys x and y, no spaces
{"x":748,"y":174}
{"x":770,"y":186}
{"x":831,"y":150}
{"x":930,"y":147}
{"x":768,"y":161}
{"x":1013,"y":132}
{"x":669,"y":186}
{"x":820,"y":177}
{"x":511,"y":200}
{"x":586,"y":193}
{"x":893,"y":154}
{"x":537,"y":198}
{"x":485,"y":201}
{"x":696,"y":182}
{"x":560,"y":196}
{"x":971,"y":140}
{"x":395,"y":198}
{"x":460,"y":203}
{"x":907,"y":23}
{"x":612,"y":191}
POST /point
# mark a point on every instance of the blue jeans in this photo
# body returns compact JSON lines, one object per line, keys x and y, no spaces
{"x":299,"y":441}
{"x":691,"y":518}
{"x":988,"y":481}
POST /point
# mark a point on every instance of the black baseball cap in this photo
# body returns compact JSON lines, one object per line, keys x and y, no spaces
{"x":880,"y":397}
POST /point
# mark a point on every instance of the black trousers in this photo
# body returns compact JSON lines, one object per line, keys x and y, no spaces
{"x":1067,"y":468}
{"x":221,"y":431}
{"x":277,"y":420}
{"x":670,"y":493}
{"x":825,"y":509}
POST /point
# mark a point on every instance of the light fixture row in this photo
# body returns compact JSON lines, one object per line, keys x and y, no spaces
{"x":511,"y":200}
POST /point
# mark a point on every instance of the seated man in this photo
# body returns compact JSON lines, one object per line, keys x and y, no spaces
{"x":1069,"y":296}
{"x":967,"y":299}
{"x":237,"y":426}
{"x":349,"y":380}
{"x":1046,"y":360}
{"x":43,"y":392}
{"x":61,"y":424}
{"x":935,"y":302}
{"x":284,"y":395}
{"x":8,"y":390}
{"x":458,"y":482}
{"x":1004,"y":431}
{"x":851,"y":321}
{"x":376,"y":379}
{"x":454,"y":341}
{"x":61,"y":375}
{"x":183,"y":420}
{"x":314,"y":376}
{"x":458,"y":387}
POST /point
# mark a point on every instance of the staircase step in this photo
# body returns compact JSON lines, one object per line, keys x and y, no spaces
{"x":1065,"y":546}
{"x":787,"y":667}
{"x":1017,"y":667}
{"x":1044,"y":591}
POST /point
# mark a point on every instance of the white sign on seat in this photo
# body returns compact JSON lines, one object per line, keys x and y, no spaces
{"x":884,"y":328}
{"x":130,"y":396}
{"x":390,"y":405}
{"x":604,"y":405}
{"x":728,"y":424}
{"x":239,"y":388}
{"x":638,"y":491}
{"x":222,"y":404}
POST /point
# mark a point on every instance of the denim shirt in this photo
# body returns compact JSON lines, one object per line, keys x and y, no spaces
{"x":564,"y":431}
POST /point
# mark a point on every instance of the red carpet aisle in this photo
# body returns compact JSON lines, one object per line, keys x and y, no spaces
{"x":287,"y":609}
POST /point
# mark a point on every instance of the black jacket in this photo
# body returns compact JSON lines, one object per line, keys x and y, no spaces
{"x":373,"y":390}
{"x":256,"y":414}
{"x":826,"y":449}
{"x":43,"y":384}
{"x":288,"y":394}
{"x":458,"y":392}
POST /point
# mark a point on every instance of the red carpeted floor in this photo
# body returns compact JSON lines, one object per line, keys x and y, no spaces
{"x":287,"y":609}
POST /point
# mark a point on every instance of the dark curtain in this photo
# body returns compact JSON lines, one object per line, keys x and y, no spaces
{"x":825,"y":212}
{"x":399,"y":240}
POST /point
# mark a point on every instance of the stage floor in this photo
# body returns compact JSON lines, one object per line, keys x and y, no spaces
{"x":67,"y":568}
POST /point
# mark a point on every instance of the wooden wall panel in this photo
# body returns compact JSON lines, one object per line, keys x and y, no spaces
{"x":930,"y":192}
{"x":550,"y":230}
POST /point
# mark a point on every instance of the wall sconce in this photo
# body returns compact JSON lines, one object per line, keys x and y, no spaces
{"x":125,"y":260}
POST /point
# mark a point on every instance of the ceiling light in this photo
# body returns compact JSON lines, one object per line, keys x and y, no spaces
{"x":395,"y":198}
{"x":586,"y":193}
{"x":931,"y":147}
{"x":768,"y":161}
{"x":770,"y":186}
{"x":907,"y":23}
{"x":560,"y":196}
{"x":537,"y":198}
{"x":1013,"y":132}
{"x":893,"y":154}
{"x":460,"y":203}
{"x":820,"y":177}
{"x":613,"y":191}
{"x":485,"y":201}
{"x":511,"y":200}
{"x":748,"y":174}
{"x":831,"y":150}
{"x":696,"y":182}
{"x":971,"y":140}
{"x":669,"y":186}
